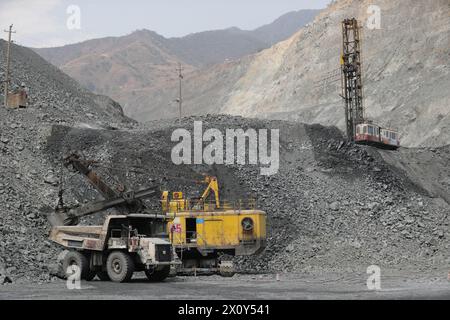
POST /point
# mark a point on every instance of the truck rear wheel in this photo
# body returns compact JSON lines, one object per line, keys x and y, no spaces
{"x":76,"y":259}
{"x":158,"y":275}
{"x":119,"y":266}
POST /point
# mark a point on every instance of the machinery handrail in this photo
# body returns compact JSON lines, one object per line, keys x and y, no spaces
{"x":205,"y":206}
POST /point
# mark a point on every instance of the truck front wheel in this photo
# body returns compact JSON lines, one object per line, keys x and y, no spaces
{"x":158,"y":275}
{"x":119,"y":266}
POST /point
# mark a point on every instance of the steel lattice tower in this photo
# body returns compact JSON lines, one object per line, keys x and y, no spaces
{"x":352,"y":90}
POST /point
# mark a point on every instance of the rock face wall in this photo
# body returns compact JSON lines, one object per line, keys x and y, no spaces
{"x":406,"y":74}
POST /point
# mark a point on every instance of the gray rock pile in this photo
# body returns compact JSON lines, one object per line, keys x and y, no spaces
{"x":27,"y":180}
{"x":332,"y":205}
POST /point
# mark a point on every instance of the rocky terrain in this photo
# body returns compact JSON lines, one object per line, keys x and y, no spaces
{"x":332,"y":206}
{"x":28,"y":181}
{"x":405,"y":63}
{"x":129,"y":66}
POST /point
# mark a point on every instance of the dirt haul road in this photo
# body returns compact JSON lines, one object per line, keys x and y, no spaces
{"x":394,"y":285}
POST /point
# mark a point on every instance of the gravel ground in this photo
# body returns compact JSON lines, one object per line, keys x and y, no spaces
{"x":288,"y":286}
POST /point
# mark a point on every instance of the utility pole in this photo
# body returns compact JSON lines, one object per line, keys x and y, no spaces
{"x":8,"y":63}
{"x":180,"y":97}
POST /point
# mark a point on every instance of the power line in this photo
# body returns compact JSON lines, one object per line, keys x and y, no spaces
{"x":180,"y":97}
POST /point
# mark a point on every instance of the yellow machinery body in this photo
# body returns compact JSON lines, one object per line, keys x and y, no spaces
{"x":202,"y":232}
{"x":238,"y":232}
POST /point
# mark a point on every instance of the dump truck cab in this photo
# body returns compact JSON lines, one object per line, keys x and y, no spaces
{"x":123,"y":245}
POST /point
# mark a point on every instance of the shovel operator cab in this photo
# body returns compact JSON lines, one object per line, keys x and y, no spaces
{"x":207,"y":234}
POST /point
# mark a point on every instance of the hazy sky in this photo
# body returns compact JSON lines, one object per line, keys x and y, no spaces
{"x":42,"y":23}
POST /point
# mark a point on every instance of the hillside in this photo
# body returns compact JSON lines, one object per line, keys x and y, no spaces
{"x":212,"y":47}
{"x":28,"y":178}
{"x":53,"y":94}
{"x":284,"y":27}
{"x":406,"y":75}
{"x":129,"y":66}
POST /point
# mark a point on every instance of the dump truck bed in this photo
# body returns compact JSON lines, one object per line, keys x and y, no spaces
{"x":81,"y":237}
{"x":92,"y":237}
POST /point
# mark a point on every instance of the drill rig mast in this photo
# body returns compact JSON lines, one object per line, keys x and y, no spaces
{"x":359,"y":129}
{"x":352,"y":89}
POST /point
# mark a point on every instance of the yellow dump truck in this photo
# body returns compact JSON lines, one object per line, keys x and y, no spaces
{"x":206,"y":235}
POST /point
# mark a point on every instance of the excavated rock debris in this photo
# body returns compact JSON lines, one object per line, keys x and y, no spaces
{"x":331,"y":206}
{"x":28,"y":181}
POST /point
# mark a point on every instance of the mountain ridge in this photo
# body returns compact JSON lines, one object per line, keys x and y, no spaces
{"x":405,"y":68}
{"x":122,"y":67}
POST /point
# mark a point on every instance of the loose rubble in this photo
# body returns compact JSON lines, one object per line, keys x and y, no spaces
{"x":331,"y":206}
{"x":28,"y":181}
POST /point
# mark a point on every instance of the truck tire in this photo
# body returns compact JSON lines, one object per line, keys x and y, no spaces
{"x":158,"y":275}
{"x":103,"y":276}
{"x":75,"y":258}
{"x":226,"y":267}
{"x":119,"y":266}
